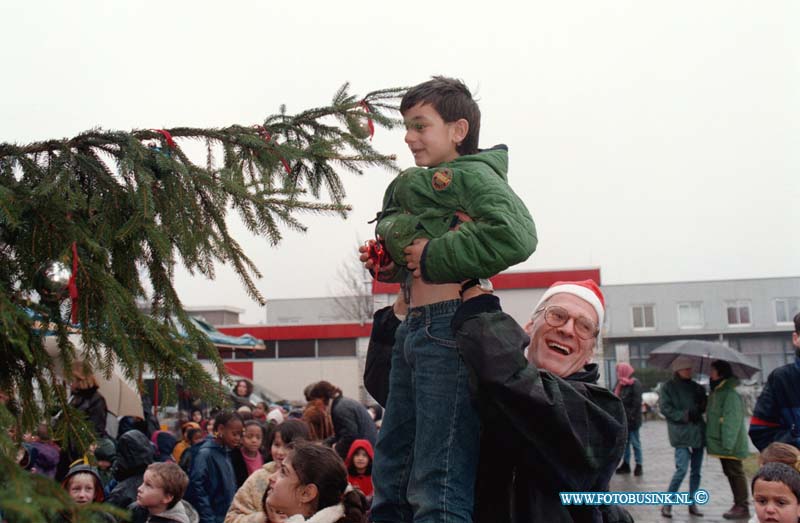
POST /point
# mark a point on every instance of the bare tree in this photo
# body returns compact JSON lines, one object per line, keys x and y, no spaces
{"x":353,"y":297}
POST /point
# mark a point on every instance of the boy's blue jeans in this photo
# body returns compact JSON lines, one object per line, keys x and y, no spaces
{"x":427,"y":451}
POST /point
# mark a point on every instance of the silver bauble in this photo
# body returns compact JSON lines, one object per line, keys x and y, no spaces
{"x":52,"y":281}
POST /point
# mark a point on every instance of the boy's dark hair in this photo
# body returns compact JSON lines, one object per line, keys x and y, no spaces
{"x":225,"y":417}
{"x":781,"y":473}
{"x":453,"y":101}
{"x":173,"y":480}
{"x":322,"y":466}
{"x":797,"y":323}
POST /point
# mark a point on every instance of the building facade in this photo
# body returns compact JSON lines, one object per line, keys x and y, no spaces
{"x":311,"y":339}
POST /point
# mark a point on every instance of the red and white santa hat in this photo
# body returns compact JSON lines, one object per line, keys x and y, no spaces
{"x":587,"y":290}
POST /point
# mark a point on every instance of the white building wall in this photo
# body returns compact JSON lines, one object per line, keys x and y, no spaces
{"x":287,"y":378}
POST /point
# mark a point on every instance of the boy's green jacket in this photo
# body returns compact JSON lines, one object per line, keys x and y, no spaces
{"x":726,"y":433}
{"x":422,"y":202}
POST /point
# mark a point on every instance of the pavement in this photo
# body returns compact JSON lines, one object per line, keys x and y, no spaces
{"x":658,"y":467}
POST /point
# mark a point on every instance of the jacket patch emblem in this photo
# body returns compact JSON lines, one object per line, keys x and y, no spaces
{"x":441,"y":179}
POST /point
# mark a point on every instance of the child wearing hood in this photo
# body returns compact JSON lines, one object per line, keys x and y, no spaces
{"x":83,"y":485}
{"x":159,"y":499}
{"x":164,"y":442}
{"x":359,"y":466}
{"x":134,"y":454}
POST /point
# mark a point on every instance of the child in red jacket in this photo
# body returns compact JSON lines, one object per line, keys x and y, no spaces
{"x":359,"y":466}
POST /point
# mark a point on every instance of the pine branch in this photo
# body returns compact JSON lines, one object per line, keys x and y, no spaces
{"x":136,"y":204}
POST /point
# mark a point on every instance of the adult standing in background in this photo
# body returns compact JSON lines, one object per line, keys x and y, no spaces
{"x":683,"y":402}
{"x":351,"y":421}
{"x":629,"y":390}
{"x":726,"y":434}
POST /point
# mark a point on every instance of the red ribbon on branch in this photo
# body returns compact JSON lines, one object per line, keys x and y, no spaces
{"x":262,"y":131}
{"x":167,"y":137}
{"x":370,"y":123}
{"x":72,"y":284}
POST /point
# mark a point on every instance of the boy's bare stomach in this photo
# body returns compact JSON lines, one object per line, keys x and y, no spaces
{"x":423,"y":293}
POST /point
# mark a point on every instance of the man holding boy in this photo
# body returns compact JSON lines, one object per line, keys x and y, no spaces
{"x":447,"y":225}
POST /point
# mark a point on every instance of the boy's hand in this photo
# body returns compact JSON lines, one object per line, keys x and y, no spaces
{"x":414,"y":254}
{"x":363,"y":256}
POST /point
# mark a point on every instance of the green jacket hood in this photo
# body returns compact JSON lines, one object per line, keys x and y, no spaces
{"x":496,"y":158}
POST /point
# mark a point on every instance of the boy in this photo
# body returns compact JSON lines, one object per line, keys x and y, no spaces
{"x":776,"y":493}
{"x":159,"y":497}
{"x":447,"y":225}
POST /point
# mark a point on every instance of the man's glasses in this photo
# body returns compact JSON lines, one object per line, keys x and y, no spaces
{"x":556,"y":316}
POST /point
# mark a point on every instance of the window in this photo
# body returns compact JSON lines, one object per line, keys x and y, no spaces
{"x":738,"y":312}
{"x":297,"y":349}
{"x":337,"y":347}
{"x":644,"y":316}
{"x":690,"y":315}
{"x":785,"y":309}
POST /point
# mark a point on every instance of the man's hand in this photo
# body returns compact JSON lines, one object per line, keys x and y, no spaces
{"x":414,"y":254}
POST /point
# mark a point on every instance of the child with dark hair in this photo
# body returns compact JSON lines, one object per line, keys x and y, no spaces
{"x":776,"y":493}
{"x":447,"y":225}
{"x":359,"y":466}
{"x":247,"y":506}
{"x":311,"y":486}
{"x":249,"y":458}
{"x":260,"y":412}
{"x":212,"y":482}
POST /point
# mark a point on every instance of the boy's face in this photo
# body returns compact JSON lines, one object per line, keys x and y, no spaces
{"x":151,"y":494}
{"x":197,"y":416}
{"x":775,"y":502}
{"x":361,"y":460}
{"x":81,"y":488}
{"x":431,"y":140}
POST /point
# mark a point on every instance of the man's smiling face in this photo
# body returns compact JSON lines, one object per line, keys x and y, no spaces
{"x":559,"y":349}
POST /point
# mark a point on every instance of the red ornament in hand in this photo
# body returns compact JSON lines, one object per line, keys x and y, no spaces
{"x":379,"y":256}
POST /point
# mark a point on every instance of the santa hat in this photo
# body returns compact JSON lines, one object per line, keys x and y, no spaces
{"x":587,"y":290}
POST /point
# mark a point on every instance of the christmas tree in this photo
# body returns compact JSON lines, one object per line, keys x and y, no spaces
{"x":92,"y":228}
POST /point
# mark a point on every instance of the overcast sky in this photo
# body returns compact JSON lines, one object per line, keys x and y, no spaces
{"x":659,"y":141}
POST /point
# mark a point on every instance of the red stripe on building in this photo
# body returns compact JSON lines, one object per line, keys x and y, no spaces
{"x":302,"y":332}
{"x":240,"y":368}
{"x":515,"y":280}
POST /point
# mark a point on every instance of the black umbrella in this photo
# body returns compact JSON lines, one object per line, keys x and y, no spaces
{"x":702,"y":353}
